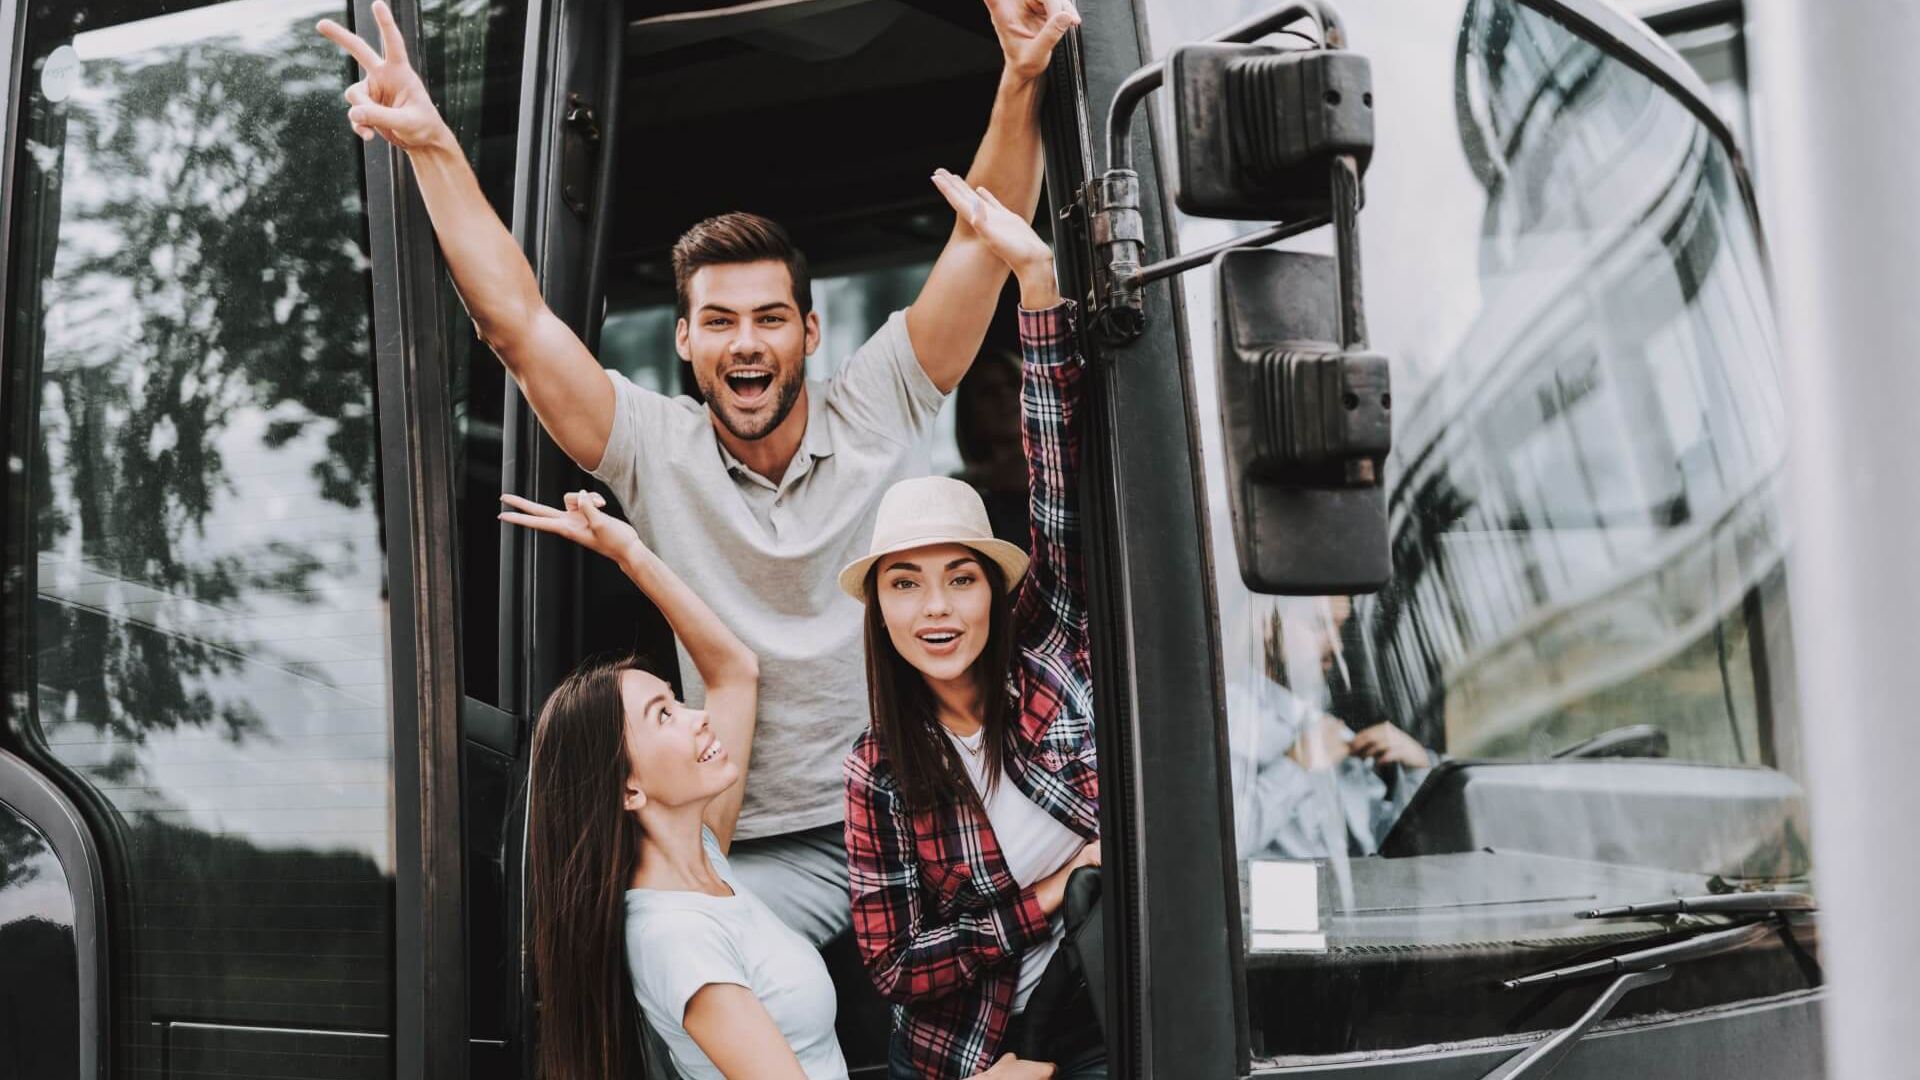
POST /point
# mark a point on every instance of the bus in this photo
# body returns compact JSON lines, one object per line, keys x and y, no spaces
{"x":270,"y":662}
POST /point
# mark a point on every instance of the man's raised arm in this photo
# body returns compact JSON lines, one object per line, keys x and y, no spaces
{"x":949,"y":320}
{"x":560,"y":379}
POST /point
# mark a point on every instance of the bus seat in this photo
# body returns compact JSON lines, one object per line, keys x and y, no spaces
{"x":1079,"y":967}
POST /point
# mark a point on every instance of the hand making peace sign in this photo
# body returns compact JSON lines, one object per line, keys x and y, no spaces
{"x":391,"y":101}
{"x":1028,"y":30}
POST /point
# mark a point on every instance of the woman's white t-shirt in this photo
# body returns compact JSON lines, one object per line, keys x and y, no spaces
{"x":678,"y":942}
{"x":1032,"y":842}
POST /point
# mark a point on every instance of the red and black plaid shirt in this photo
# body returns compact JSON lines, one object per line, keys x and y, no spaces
{"x":939,"y":920}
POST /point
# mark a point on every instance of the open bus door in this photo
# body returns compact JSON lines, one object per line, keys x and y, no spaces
{"x":229,"y":768}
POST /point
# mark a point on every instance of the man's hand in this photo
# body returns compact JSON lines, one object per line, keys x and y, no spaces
{"x":391,"y":101}
{"x":1028,"y":30}
{"x":1385,"y":744}
{"x":581,"y":522}
{"x":1008,"y":236}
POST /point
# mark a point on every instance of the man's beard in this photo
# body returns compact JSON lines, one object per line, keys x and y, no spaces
{"x":786,"y":391}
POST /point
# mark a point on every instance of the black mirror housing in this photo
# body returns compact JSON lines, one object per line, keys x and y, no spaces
{"x":1257,"y":125}
{"x":1307,"y":428}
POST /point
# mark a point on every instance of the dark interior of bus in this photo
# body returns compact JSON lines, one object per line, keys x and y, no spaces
{"x":828,"y":117}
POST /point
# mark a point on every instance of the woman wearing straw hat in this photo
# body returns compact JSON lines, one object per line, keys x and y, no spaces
{"x":974,"y":794}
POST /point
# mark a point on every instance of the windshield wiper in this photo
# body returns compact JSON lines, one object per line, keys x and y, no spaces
{"x":1747,"y":903}
{"x":1641,"y":967}
{"x":1544,"y":1056}
{"x":1698,"y":947}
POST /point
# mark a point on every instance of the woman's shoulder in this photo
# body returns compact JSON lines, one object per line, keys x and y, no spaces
{"x":657,"y":925}
{"x":867,"y":762}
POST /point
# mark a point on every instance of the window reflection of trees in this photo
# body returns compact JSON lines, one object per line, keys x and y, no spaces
{"x":207,"y":283}
{"x":209,"y":621}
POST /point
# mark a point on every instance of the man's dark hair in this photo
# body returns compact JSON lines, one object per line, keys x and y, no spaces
{"x":738,"y":237}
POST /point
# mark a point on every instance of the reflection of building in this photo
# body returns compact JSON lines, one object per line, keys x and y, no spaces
{"x":1587,"y":489}
{"x":1711,"y":35}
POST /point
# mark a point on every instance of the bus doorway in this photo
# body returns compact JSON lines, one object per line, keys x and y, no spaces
{"x":827,"y":118}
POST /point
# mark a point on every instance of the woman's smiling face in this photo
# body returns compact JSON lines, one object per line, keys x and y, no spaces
{"x":672,"y":751}
{"x":937,"y":603}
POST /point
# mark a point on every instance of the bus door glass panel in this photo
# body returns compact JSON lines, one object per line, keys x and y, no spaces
{"x":39,"y":997}
{"x":471,"y":57}
{"x":1587,"y":541}
{"x":195,"y":427}
{"x":471,"y":54}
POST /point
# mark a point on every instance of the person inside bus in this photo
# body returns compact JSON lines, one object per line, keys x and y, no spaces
{"x":632,"y":802}
{"x":758,"y":495}
{"x":1316,"y":720}
{"x":975,"y":793}
{"x":986,"y":427}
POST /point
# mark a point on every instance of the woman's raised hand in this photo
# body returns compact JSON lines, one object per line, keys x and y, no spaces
{"x":390,"y":101}
{"x":1005,"y":233}
{"x":581,"y":522}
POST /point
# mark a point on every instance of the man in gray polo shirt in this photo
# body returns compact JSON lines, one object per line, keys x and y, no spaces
{"x":759,"y":496}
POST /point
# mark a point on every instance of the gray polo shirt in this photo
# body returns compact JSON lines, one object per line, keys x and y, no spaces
{"x":765,"y":555}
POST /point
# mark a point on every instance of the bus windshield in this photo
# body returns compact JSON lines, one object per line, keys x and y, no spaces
{"x":1578,"y":688}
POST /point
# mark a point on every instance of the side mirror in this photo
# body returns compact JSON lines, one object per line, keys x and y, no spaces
{"x":1307,"y":427}
{"x":1269,"y":133}
{"x":1258,"y":126}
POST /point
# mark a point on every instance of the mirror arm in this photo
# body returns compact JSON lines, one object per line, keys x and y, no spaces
{"x":1346,"y":239}
{"x":1180,"y":264}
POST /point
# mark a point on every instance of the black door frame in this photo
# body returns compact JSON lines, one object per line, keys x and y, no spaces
{"x":35,"y":798}
{"x":23,"y":786}
{"x":416,"y":463}
{"x":1175,"y":986}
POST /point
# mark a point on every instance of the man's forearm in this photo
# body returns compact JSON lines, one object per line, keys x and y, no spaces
{"x":488,"y":267}
{"x":1009,"y":162}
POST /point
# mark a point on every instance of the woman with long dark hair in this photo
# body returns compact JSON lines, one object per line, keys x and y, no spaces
{"x":631,"y":811}
{"x":632,"y":807}
{"x":974,"y":794}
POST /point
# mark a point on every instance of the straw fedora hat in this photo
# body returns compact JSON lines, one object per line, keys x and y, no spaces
{"x":926,"y":511}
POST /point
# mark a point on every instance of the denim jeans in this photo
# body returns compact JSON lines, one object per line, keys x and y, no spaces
{"x":801,"y":876}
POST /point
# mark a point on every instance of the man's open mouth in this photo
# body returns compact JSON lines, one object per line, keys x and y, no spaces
{"x":749,"y":385}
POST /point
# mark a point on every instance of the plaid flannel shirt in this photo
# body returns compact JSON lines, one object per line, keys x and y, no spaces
{"x":940,"y":923}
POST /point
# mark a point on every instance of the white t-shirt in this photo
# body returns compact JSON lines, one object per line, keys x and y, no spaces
{"x":678,"y":942}
{"x":1032,"y":842}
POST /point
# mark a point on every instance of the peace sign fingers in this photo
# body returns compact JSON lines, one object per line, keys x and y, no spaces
{"x":391,"y":42}
{"x":356,"y":47}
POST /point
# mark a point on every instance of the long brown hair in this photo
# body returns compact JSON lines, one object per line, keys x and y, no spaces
{"x":926,"y":768}
{"x":581,"y":848}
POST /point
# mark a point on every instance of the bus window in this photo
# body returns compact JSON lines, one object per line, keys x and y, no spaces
{"x":1577,"y":689}
{"x":193,"y":442}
